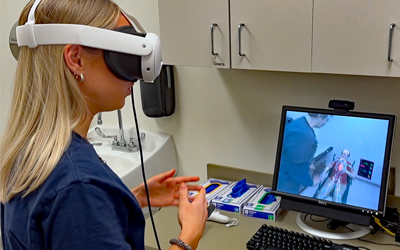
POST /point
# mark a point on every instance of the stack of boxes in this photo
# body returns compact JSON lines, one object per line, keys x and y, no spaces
{"x":226,"y":201}
{"x":256,"y":202}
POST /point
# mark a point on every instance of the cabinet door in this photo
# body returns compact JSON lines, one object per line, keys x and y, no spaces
{"x":352,"y":37}
{"x":276,"y":35}
{"x":187,"y":32}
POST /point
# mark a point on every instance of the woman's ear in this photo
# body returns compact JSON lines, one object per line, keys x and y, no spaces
{"x":72,"y":57}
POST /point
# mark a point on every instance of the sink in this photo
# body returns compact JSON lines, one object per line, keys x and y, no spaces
{"x":119,"y":162}
{"x":159,"y":154}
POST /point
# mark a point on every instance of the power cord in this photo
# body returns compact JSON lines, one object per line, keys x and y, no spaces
{"x":378,"y":223}
{"x":376,"y":243}
{"x":143,"y":170}
{"x":315,"y":220}
{"x":366,"y":248}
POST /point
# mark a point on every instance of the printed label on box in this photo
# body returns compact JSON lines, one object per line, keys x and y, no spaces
{"x":225,"y":201}
{"x":263,"y":205}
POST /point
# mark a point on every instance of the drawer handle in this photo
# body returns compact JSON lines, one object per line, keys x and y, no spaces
{"x":212,"y":39}
{"x":240,"y":39}
{"x":391,"y":28}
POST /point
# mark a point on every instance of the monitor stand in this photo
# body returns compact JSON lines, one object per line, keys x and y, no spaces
{"x":358,"y":231}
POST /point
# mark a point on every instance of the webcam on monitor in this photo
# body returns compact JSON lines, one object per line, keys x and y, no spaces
{"x":341,"y":106}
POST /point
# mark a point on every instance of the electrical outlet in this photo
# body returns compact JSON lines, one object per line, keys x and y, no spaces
{"x":392,"y":181}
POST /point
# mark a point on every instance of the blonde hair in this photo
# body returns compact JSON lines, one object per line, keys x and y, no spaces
{"x":47,"y":103}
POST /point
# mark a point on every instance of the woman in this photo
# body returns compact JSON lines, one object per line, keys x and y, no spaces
{"x":56,"y":191}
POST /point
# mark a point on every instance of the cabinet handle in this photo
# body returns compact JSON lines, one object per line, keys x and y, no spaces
{"x":240,"y":39}
{"x":212,"y":39}
{"x":391,"y":28}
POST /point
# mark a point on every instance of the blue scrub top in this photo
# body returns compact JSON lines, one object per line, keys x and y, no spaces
{"x":83,"y":204}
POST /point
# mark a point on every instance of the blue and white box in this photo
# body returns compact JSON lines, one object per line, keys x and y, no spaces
{"x":213,"y":188}
{"x":263,"y":205}
{"x":225,"y":201}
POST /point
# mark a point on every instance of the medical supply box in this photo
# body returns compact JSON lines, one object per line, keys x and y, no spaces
{"x":213,"y":187}
{"x":263,"y":205}
{"x":225,"y":200}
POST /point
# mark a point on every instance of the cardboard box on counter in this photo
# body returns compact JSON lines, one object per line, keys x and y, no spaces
{"x":225,"y":200}
{"x":263,"y":205}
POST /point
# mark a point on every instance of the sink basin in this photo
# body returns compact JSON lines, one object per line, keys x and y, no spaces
{"x":159,"y":154}
{"x":119,"y":162}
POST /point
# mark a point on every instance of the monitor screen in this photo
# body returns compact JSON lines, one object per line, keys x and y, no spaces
{"x":334,"y":164}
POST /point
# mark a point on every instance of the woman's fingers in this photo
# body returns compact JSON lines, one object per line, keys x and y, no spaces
{"x":181,"y":179}
{"x":183,"y":193}
{"x":194,"y":187}
{"x":164,"y":176}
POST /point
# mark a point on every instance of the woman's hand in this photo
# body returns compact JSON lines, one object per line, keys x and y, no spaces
{"x":192,"y":216}
{"x":163,"y":189}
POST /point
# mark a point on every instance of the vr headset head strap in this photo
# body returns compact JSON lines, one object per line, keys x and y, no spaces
{"x":148,"y":46}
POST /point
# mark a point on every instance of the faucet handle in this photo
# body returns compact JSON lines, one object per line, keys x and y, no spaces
{"x":135,"y":141}
{"x":99,"y":119}
{"x":132,"y":141}
{"x":132,"y":144}
{"x":142,"y":136}
{"x":100,"y":133}
{"x":115,"y":140}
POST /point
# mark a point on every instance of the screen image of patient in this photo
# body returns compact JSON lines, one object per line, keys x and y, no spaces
{"x":322,"y":162}
{"x":338,"y":174}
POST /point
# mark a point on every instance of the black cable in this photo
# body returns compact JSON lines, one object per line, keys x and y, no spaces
{"x":143,"y":170}
{"x":360,"y":239}
{"x":323,"y":220}
{"x":376,"y":243}
{"x":366,"y":248}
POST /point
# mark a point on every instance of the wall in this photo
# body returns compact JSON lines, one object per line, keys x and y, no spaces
{"x":9,"y":11}
{"x":228,"y":117}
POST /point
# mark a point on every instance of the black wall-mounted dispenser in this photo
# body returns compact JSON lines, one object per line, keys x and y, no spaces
{"x":158,"y":98}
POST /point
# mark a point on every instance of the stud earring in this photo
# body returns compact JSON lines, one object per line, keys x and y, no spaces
{"x":79,"y":77}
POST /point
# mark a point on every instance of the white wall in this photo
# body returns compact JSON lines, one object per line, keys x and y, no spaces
{"x":228,"y":117}
{"x":9,"y":13}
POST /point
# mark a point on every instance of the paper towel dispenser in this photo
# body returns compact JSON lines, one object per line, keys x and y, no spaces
{"x":158,"y":98}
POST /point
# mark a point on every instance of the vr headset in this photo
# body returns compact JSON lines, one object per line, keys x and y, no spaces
{"x":129,"y":55}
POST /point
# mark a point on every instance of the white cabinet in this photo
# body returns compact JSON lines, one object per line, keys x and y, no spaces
{"x":319,"y":36}
{"x":352,"y":37}
{"x":186,"y":32}
{"x":276,"y":34}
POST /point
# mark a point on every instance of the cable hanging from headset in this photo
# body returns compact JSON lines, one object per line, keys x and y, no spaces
{"x":143,"y":170}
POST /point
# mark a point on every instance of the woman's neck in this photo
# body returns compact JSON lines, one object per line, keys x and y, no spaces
{"x":83,"y":128}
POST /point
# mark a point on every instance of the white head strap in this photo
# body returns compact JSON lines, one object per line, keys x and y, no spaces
{"x":148,"y":47}
{"x":32,"y":35}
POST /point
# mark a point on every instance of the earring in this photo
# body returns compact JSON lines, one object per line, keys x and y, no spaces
{"x":79,"y":77}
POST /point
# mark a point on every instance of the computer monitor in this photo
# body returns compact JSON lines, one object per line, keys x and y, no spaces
{"x":334,"y":164}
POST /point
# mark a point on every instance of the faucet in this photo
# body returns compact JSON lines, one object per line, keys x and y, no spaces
{"x":99,"y":120}
{"x":122,"y":141}
{"x":121,"y":128}
{"x":121,"y":144}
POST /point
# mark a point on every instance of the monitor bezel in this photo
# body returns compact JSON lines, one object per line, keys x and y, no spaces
{"x":318,"y":204}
